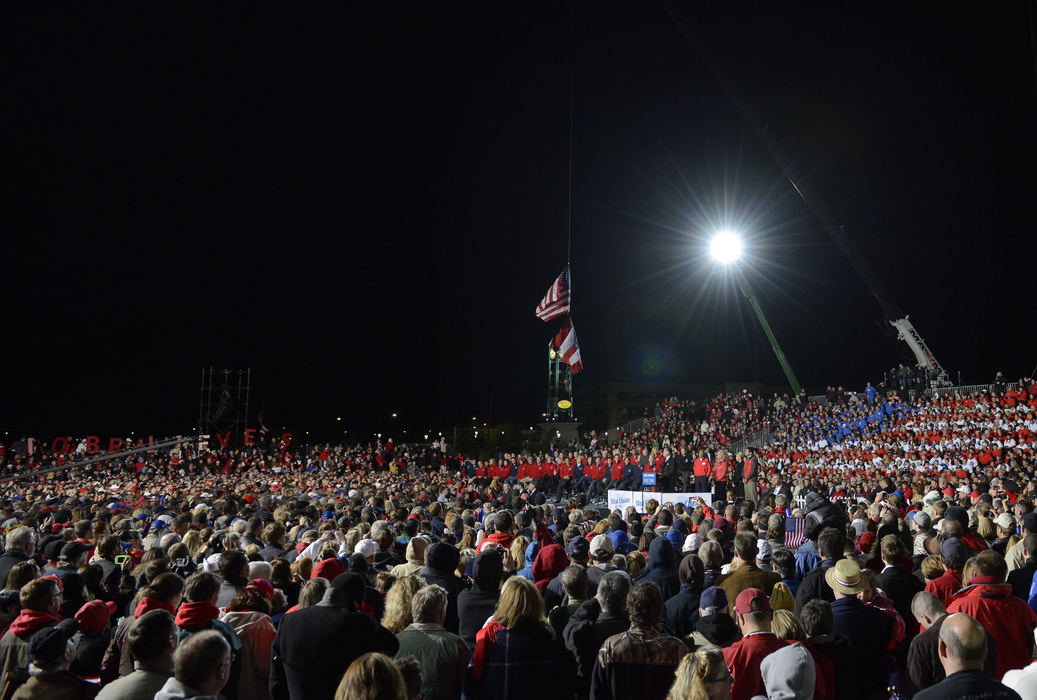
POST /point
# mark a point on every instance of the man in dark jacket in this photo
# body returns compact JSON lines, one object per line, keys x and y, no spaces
{"x":822,"y":513}
{"x":441,"y":560}
{"x":234,"y":572}
{"x":1021,"y":578}
{"x":476,"y":604}
{"x":923,"y":657}
{"x":830,"y":546}
{"x":897,"y":583}
{"x":961,"y":649}
{"x":595,"y":621}
{"x":273,"y":535}
{"x":869,"y":628}
{"x":682,"y":610}
{"x":21,"y":545}
{"x":313,"y":645}
{"x":817,"y":623}
{"x":714,"y":625}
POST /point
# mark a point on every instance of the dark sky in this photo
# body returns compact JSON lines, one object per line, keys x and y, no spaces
{"x":364,"y":203}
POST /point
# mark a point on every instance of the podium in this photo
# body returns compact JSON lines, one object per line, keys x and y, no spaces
{"x":648,"y":483}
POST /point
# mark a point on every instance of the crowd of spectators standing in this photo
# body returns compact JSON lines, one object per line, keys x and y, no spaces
{"x":875,"y":547}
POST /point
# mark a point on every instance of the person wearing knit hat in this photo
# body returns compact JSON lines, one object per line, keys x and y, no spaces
{"x":329,"y":569}
{"x":94,"y":634}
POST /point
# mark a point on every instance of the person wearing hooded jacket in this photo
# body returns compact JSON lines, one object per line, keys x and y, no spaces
{"x":550,"y":562}
{"x":199,"y":613}
{"x":92,"y":638}
{"x":662,"y":568}
{"x":530,"y":557}
{"x":1006,"y":618}
{"x":249,"y":616}
{"x":416,"y":547}
{"x":682,"y":610}
{"x":314,"y":644}
{"x":41,"y":600}
{"x":441,"y":560}
{"x":475,"y":605}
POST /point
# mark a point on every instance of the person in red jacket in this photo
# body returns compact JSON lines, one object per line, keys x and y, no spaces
{"x":720,"y":476}
{"x":1006,"y":618}
{"x":754,"y":615}
{"x":702,"y":471}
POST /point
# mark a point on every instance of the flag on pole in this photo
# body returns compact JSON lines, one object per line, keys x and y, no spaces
{"x":565,"y":345}
{"x":557,"y":301}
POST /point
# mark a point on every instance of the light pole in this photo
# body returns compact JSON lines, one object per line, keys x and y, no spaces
{"x":726,"y":249}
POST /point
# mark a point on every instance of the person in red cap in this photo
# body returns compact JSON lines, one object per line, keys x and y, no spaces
{"x":93,"y":636}
{"x":754,"y":615}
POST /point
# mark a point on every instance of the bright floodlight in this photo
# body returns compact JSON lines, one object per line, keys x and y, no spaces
{"x":726,"y":247}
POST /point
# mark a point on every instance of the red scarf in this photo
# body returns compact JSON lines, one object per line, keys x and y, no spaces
{"x":191,"y":616}
{"x":484,"y":641}
{"x":29,"y":620}
{"x":147,"y":604}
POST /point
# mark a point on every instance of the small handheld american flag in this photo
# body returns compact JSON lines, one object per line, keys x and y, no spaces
{"x":794,"y":532}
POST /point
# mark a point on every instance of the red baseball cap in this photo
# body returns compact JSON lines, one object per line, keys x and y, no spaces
{"x":752,"y":600}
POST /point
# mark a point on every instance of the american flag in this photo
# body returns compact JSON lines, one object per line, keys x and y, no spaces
{"x":794,"y":532}
{"x":557,"y":300}
{"x":566,"y":346}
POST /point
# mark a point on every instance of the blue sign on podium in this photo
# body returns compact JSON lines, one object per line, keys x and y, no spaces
{"x":648,"y":479}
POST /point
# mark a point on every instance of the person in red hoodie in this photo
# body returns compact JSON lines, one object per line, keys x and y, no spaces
{"x":199,"y":613}
{"x":41,"y":601}
{"x":550,"y":561}
{"x":164,"y":593}
{"x":1006,"y":618}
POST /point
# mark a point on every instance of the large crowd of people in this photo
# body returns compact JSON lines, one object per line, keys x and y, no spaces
{"x":880,"y":544}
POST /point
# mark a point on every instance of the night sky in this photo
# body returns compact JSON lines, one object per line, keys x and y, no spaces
{"x":365,"y":203}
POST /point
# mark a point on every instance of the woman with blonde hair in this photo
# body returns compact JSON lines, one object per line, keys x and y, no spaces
{"x":787,"y":626}
{"x":514,"y":652}
{"x":397,"y":613}
{"x":193,"y":541}
{"x":518,"y":554}
{"x":702,"y":675}
{"x":372,"y":676}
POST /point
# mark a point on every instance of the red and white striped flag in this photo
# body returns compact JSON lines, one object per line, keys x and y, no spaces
{"x":794,"y":532}
{"x":557,"y":301}
{"x":565,"y":345}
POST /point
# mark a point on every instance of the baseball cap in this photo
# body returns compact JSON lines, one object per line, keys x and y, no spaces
{"x":923,"y":520}
{"x":1005,"y":520}
{"x":47,"y":646}
{"x":73,"y":550}
{"x":578,"y":548}
{"x":366,"y":547}
{"x":952,"y":547}
{"x":713,"y":600}
{"x":752,"y":600}
{"x":602,"y":547}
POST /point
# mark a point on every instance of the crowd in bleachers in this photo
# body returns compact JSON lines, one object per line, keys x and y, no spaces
{"x":880,"y":544}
